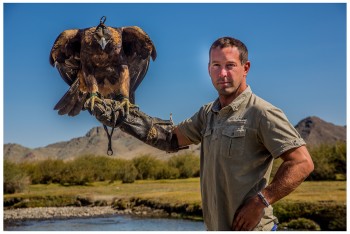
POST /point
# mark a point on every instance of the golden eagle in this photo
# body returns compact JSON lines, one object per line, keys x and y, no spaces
{"x":101,"y":62}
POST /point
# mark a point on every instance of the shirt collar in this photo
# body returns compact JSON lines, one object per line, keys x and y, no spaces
{"x":235,"y":103}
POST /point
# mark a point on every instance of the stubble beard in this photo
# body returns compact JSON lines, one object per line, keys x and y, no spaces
{"x":228,"y":94}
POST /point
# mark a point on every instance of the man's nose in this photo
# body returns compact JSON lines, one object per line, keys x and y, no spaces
{"x":223,"y":72}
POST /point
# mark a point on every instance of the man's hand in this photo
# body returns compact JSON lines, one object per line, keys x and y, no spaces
{"x":248,"y":216}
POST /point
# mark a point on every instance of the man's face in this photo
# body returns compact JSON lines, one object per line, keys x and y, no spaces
{"x":227,"y":73}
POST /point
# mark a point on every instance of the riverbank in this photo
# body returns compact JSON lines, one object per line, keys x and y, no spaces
{"x":21,"y":214}
{"x":324,"y":203}
{"x":104,"y":223}
{"x":134,"y":207}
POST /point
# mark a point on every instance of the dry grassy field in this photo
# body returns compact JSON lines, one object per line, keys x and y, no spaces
{"x":176,"y":191}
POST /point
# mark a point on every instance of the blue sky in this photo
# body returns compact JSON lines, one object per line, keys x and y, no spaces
{"x":297,"y":54}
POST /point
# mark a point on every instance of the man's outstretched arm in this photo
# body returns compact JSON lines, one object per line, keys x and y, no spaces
{"x":161,"y":134}
{"x":181,"y":139}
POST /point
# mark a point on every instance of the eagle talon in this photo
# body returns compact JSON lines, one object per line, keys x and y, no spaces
{"x":127,"y":104}
{"x":94,"y":98}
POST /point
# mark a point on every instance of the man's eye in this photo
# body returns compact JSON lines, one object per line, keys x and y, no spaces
{"x":230,"y":66}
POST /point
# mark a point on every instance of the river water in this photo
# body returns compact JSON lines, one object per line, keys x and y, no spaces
{"x":110,"y":223}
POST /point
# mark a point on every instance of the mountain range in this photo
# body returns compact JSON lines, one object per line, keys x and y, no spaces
{"x":314,"y":130}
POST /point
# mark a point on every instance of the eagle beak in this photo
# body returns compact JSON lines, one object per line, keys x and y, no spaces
{"x":102,"y":36}
{"x":102,"y":43}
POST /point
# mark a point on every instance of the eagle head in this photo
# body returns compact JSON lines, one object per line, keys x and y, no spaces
{"x":102,"y":34}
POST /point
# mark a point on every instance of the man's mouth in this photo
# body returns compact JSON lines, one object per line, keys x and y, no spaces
{"x":224,"y":83}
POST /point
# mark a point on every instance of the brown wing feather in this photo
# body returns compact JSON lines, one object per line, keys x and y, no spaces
{"x":83,"y":65}
{"x":65,"y":54}
{"x":138,"y":49}
{"x":72,"y":101}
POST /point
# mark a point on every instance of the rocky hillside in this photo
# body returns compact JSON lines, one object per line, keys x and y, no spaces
{"x":313,"y":129}
{"x":95,"y":142}
{"x":316,"y":131}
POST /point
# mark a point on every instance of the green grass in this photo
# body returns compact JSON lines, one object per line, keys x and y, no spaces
{"x":176,"y":191}
{"x":319,"y":191}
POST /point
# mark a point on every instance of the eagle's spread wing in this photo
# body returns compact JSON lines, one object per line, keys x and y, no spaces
{"x":101,"y":62}
{"x":138,"y":48}
{"x":65,"y":56}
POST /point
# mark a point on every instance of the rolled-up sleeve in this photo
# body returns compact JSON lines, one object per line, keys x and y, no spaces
{"x":192,"y":127}
{"x":277,"y":133}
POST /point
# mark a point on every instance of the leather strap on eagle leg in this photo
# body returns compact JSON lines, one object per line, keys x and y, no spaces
{"x":109,"y":135}
{"x":108,"y":115}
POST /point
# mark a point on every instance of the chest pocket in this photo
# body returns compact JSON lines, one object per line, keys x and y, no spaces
{"x":233,"y":139}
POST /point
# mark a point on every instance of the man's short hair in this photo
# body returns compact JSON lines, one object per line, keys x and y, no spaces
{"x":224,"y":42}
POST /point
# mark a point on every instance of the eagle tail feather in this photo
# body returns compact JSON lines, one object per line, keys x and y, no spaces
{"x":81,"y":99}
{"x":71,"y":101}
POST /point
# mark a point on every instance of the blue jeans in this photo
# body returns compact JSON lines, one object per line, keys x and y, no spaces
{"x":274,"y":228}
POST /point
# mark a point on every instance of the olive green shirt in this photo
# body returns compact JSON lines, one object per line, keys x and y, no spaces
{"x":239,"y":143}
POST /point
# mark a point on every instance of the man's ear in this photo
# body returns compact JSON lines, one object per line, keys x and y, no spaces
{"x":246,"y":67}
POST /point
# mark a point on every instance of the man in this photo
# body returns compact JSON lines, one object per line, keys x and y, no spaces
{"x":240,"y":135}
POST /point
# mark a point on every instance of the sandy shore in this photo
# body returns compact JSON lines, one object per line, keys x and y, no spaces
{"x":20,"y":214}
{"x":57,"y":212}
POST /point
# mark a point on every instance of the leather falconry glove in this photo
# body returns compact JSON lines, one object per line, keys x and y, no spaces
{"x":150,"y":130}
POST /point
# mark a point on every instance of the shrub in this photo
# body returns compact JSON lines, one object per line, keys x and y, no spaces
{"x":167,"y":172}
{"x":147,"y":167}
{"x":98,"y":168}
{"x":300,"y":224}
{"x":339,"y":159}
{"x":15,"y":179}
{"x":129,"y":173}
{"x":328,"y":215}
{"x":76,"y":172}
{"x":187,"y":164}
{"x":46,"y":172}
{"x":123,"y":170}
{"x":329,"y":160}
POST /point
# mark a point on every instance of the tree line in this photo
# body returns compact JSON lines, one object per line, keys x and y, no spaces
{"x":329,"y":160}
{"x":89,"y":168}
